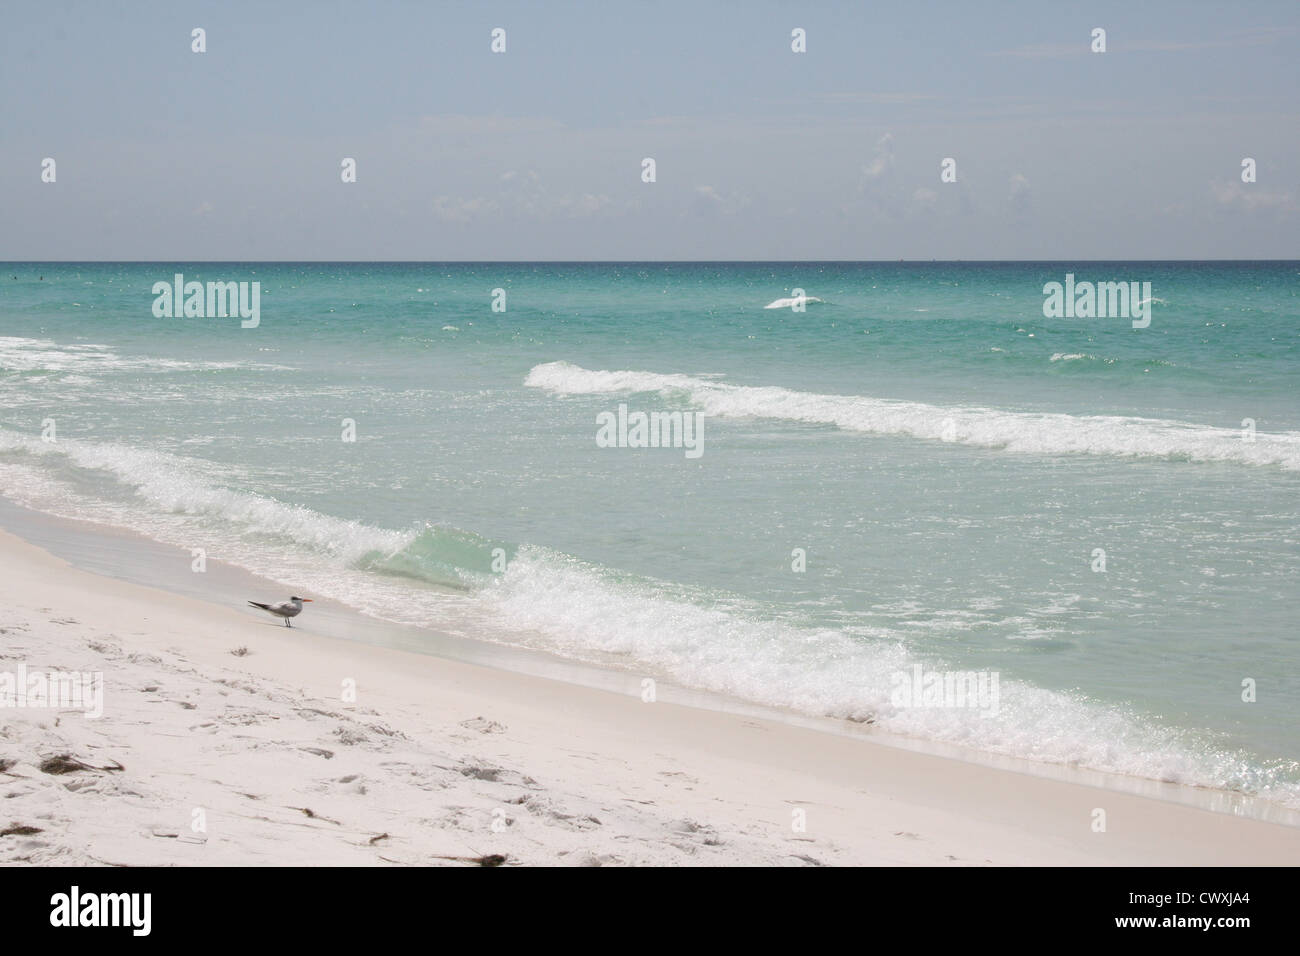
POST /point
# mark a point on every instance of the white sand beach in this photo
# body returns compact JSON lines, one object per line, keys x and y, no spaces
{"x":442,"y":762}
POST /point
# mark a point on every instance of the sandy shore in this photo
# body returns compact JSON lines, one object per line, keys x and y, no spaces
{"x":260,"y":760}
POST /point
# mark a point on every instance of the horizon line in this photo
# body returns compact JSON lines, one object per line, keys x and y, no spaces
{"x":571,"y":262}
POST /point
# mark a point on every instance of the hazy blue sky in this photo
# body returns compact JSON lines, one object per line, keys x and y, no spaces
{"x":762,"y":153}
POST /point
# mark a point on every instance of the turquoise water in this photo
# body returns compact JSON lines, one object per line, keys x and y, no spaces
{"x":947,"y":458}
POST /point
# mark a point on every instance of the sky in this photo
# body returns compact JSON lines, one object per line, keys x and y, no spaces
{"x":761,"y":153}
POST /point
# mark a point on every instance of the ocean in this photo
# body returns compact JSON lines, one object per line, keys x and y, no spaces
{"x":919,"y":469}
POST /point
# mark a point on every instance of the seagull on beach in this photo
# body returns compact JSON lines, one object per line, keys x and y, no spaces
{"x":285,"y":609}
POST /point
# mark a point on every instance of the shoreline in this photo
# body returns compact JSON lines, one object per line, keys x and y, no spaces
{"x":471,"y":758}
{"x":125,"y":554}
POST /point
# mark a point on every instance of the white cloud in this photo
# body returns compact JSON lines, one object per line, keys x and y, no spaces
{"x":1250,"y":196}
{"x":883,"y":161}
{"x":522,"y":193}
{"x":708,"y":200}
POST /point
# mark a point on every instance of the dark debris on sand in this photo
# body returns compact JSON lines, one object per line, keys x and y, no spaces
{"x":66,"y":763}
{"x":20,"y":830}
{"x":494,"y":859}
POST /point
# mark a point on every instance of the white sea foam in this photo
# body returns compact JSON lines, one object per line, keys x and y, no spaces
{"x":1033,"y":433}
{"x":171,"y":484}
{"x":588,"y":613}
{"x":787,"y":303}
{"x":40,"y":355}
{"x":556,"y":602}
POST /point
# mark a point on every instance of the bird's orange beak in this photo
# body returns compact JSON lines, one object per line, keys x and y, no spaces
{"x":306,"y":600}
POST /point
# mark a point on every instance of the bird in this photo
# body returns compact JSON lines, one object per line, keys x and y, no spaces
{"x":285,"y":609}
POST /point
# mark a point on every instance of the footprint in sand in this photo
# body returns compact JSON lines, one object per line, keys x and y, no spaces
{"x":491,"y":774}
{"x":553,"y":816}
{"x":483,"y":725}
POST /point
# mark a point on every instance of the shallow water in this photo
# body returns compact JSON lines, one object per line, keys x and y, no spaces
{"x":947,"y":459}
